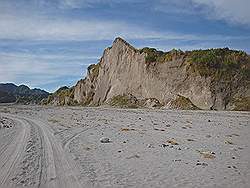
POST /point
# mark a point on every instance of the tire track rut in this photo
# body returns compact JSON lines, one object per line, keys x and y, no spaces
{"x":36,"y":158}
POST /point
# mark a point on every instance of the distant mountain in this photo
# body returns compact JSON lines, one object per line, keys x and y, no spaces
{"x":10,"y":93}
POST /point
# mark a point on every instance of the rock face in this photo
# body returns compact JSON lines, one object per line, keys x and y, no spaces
{"x":124,"y":70}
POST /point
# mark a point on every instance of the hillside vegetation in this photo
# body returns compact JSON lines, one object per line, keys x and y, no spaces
{"x":63,"y":96}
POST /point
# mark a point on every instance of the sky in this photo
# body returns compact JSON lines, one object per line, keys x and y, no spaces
{"x":50,"y":43}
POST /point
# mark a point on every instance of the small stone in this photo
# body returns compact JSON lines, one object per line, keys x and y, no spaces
{"x":104,"y":140}
{"x":229,"y":142}
{"x":201,"y":164}
{"x":177,"y":160}
{"x":150,"y":146}
{"x":76,"y":158}
{"x":164,"y":145}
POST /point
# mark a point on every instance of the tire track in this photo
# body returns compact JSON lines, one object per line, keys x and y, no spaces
{"x":39,"y":159}
{"x":70,"y":139}
{"x":12,"y":154}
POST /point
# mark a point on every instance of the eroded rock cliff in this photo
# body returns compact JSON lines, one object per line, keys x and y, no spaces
{"x":212,"y":79}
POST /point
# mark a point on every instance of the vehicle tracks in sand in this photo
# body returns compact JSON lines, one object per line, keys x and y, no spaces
{"x":35,"y":157}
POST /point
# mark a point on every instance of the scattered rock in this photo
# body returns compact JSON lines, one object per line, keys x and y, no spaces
{"x":176,"y":160}
{"x":207,"y":154}
{"x":201,"y":164}
{"x":164,"y":145}
{"x":159,"y":129}
{"x":173,"y":142}
{"x":150,"y":146}
{"x":229,"y":142}
{"x":105,"y":140}
{"x":152,"y":103}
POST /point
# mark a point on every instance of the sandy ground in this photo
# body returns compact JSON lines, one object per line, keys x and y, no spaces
{"x":61,"y":147}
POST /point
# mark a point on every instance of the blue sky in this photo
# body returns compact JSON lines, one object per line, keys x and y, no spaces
{"x":50,"y":43}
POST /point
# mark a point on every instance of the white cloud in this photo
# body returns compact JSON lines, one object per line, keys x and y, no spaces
{"x":233,"y":11}
{"x":42,"y":28}
{"x":74,"y":4}
{"x":35,"y":28}
{"x":37,"y":70}
{"x":47,"y":57}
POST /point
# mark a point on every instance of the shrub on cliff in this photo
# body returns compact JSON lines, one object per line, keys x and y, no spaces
{"x":221,"y":63}
{"x":154,"y":55}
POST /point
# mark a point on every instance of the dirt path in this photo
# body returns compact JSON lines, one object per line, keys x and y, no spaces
{"x":32,"y":156}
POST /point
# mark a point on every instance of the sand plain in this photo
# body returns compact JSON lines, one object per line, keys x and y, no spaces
{"x":43,"y":146}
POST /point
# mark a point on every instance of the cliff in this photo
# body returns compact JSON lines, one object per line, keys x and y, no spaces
{"x":207,"y":79}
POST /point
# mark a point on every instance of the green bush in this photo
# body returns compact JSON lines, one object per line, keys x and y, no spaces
{"x":123,"y":101}
{"x":219,"y":63}
{"x":154,"y":55}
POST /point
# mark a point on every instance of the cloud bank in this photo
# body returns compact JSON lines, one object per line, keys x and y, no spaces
{"x":233,"y":11}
